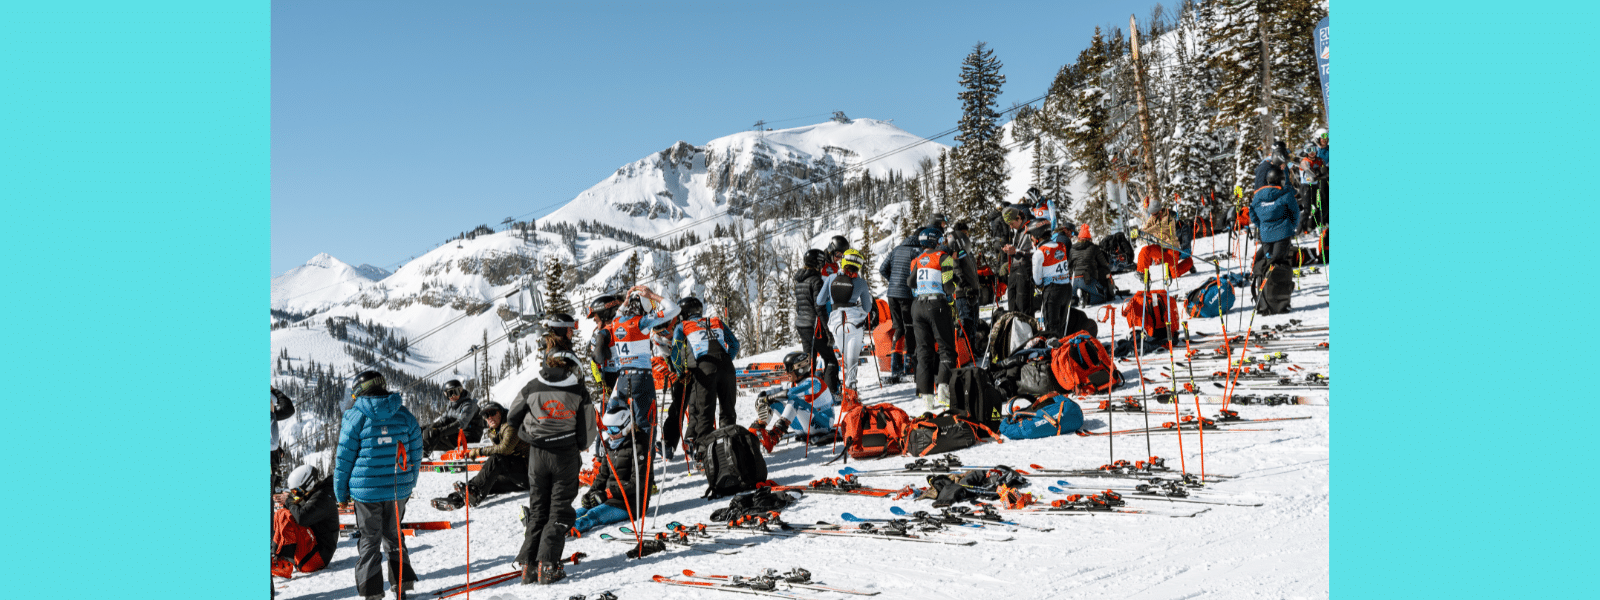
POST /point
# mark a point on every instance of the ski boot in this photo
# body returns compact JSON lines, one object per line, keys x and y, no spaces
{"x":941,"y":396}
{"x":770,"y":437}
{"x":450,"y":502}
{"x":852,"y":400}
{"x":927,"y":402}
{"x":550,"y":573}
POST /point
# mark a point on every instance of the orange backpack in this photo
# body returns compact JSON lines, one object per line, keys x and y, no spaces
{"x":883,"y":343}
{"x":1082,"y":365}
{"x":293,"y":547}
{"x":1145,"y":310}
{"x":875,"y":430}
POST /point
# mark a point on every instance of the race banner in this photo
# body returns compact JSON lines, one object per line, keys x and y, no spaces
{"x":1320,"y":41}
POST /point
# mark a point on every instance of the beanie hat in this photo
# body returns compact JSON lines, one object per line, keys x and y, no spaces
{"x":1083,"y":231}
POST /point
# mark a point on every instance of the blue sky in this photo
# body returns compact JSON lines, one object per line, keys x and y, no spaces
{"x":396,"y":125}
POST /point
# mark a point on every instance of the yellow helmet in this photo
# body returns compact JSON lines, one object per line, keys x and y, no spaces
{"x":852,"y":258}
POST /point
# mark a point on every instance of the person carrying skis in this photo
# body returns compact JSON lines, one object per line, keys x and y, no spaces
{"x":282,"y":408}
{"x":712,"y":346}
{"x":460,"y":421}
{"x":931,"y":316}
{"x":846,"y":299}
{"x":806,"y":407}
{"x":551,"y":414}
{"x":376,"y":466}
{"x":1091,"y":269}
{"x":1274,"y":212}
{"x":813,"y":332}
{"x":601,"y":363}
{"x":616,"y":493}
{"x":1052,"y":276}
{"x":506,"y":469}
{"x":306,"y":529}
{"x":896,"y":269}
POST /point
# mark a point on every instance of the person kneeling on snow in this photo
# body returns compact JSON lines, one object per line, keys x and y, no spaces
{"x":806,"y":407}
{"x":615,"y":493}
{"x":506,"y":470}
{"x":306,"y":530}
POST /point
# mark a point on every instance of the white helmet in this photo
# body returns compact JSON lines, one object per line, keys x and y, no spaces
{"x":304,"y":477}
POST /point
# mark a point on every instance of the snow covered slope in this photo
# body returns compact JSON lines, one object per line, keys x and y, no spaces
{"x":322,"y":282}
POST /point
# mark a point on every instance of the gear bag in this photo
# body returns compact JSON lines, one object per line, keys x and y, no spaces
{"x":876,"y":430}
{"x":973,"y":391}
{"x":1272,"y":297}
{"x":1011,"y":331}
{"x":1053,"y":415}
{"x":947,"y":432}
{"x":733,"y":462}
{"x":1037,"y":378}
{"x":1081,"y":364}
{"x":294,"y":547}
{"x":1209,"y":300}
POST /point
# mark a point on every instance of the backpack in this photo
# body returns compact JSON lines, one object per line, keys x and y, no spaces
{"x":1081,"y":364}
{"x":947,"y":432}
{"x":1010,"y":331}
{"x":1044,"y":420}
{"x":293,"y":546}
{"x":733,"y":462}
{"x":876,"y":430}
{"x":1037,"y":378}
{"x":1273,"y":294}
{"x":1145,"y":310}
{"x":974,"y":392}
{"x":1209,"y":300}
{"x":884,"y":346}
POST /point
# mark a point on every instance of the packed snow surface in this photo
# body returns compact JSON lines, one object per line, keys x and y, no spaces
{"x":1277,"y":550}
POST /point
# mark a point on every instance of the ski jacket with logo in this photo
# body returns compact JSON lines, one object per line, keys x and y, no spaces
{"x":373,"y":431}
{"x":1276,"y":212}
{"x":1050,"y":265}
{"x":896,"y":268}
{"x":630,"y":336}
{"x":699,"y":333}
{"x":933,"y":271}
{"x":553,"y":411}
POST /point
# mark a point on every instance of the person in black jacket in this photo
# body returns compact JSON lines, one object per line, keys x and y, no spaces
{"x":896,"y":269}
{"x":461,"y":416}
{"x":813,"y":333}
{"x":282,"y":408}
{"x":550,"y":414}
{"x":1019,"y":263}
{"x":311,"y":505}
{"x":1091,"y":269}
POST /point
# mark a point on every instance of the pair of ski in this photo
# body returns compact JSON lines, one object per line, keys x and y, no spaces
{"x":930,"y":525}
{"x":823,"y":529}
{"x":730,"y":583}
{"x":1149,"y":493}
{"x":1249,"y":399}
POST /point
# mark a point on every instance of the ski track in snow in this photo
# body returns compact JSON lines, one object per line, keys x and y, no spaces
{"x":1278,"y":550}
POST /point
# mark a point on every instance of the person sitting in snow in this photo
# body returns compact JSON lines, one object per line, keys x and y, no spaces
{"x":306,"y":530}
{"x":506,"y":470}
{"x":806,"y":407}
{"x":615,"y":493}
{"x":460,"y":421}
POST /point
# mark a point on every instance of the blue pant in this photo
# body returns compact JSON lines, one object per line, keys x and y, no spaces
{"x":604,"y":514}
{"x":638,"y":388}
{"x":1093,"y":292}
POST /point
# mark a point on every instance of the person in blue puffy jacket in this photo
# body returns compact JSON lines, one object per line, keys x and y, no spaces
{"x":376,"y":465}
{"x":1275,"y":214}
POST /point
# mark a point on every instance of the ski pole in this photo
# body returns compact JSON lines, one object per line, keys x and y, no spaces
{"x":1111,"y":445}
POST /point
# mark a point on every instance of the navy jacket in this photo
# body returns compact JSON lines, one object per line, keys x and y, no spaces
{"x":896,"y":268}
{"x":1275,"y":211}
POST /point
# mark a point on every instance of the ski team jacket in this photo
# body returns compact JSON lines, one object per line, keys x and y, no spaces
{"x":698,"y":333}
{"x":896,"y":268}
{"x":1275,"y":211}
{"x":552,"y":412}
{"x":934,"y":270}
{"x":806,"y":283}
{"x":369,"y":447}
{"x":630,"y":337}
{"x":1050,"y":265}
{"x":860,"y":294}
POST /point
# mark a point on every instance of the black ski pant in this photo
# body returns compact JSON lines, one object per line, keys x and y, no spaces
{"x":552,"y":486}
{"x":1057,"y":301}
{"x":379,"y":523}
{"x":713,"y":389}
{"x":440,"y":438}
{"x":501,"y":473}
{"x":1281,"y":251}
{"x":1019,"y":290}
{"x":672,"y":428}
{"x":821,"y":345}
{"x":900,"y":318}
{"x":931,"y":318}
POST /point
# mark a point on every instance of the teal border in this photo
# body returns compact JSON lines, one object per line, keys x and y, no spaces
{"x":134,"y":167}
{"x":1459,"y":462}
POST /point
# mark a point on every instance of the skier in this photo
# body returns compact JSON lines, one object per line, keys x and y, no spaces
{"x":551,"y":413}
{"x":310,"y":506}
{"x":615,"y":494}
{"x":931,"y":316}
{"x":896,"y":269}
{"x":713,"y":348}
{"x":1051,"y":275}
{"x":506,"y":470}
{"x":282,"y":408}
{"x":1322,"y":177}
{"x":378,"y":459}
{"x":601,"y":363}
{"x":968,"y":297}
{"x":1091,"y":269}
{"x":459,"y":421}
{"x":1275,"y":213}
{"x":806,"y":407}
{"x":846,"y":299}
{"x":813,"y":333}
{"x":630,"y":350}
{"x":836,"y":248}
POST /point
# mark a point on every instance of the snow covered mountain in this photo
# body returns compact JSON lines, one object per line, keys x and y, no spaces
{"x":322,"y":282}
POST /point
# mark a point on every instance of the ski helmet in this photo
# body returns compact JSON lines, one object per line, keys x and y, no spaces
{"x":1039,"y":228}
{"x":852,"y":258}
{"x":796,"y":362}
{"x":559,"y":321}
{"x":604,"y":307}
{"x":490,"y":407}
{"x":617,"y":420}
{"x":369,"y":383}
{"x":940,"y":218}
{"x":690,"y":307}
{"x":304,"y":477}
{"x":814,"y":259}
{"x":1274,"y":177}
{"x":1034,"y":193}
{"x":838,"y":245}
{"x":928,"y":237}
{"x":453,"y":388}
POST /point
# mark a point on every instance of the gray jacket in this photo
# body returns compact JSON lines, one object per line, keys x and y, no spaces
{"x":553,"y":412}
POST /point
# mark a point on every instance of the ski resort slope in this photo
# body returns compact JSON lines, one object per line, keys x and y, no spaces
{"x":1277,"y":550}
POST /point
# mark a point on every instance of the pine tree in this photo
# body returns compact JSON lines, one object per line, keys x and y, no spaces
{"x":1191,"y":171}
{"x":1235,"y":58}
{"x":981,"y":164}
{"x":630,"y":271}
{"x":1297,"y":87}
{"x":1085,"y":130}
{"x":555,"y":287}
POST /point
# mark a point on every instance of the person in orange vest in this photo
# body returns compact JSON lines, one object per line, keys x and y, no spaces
{"x":713,"y":346}
{"x":630,"y":350}
{"x":932,"y":316}
{"x":1052,"y":276}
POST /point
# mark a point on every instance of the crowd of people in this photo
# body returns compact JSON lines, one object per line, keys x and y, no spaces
{"x":1044,"y":268}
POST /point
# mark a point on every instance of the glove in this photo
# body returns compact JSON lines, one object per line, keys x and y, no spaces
{"x":592,"y":499}
{"x":474,"y":452}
